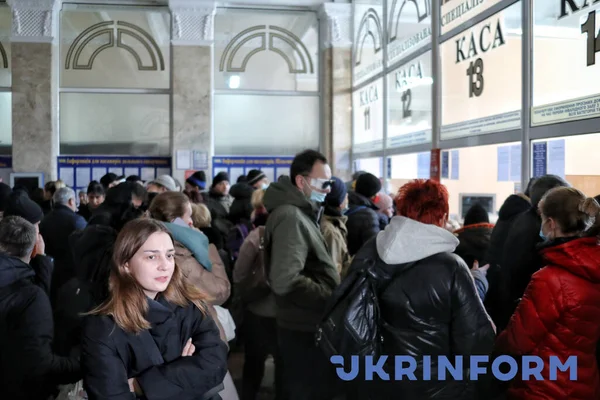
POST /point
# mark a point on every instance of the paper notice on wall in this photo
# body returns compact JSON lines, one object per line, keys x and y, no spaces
{"x":116,"y":170}
{"x":424,"y":165}
{"x":235,"y":173}
{"x":515,"y":163}
{"x":147,"y":174}
{"x":67,"y":175}
{"x":455,"y":164}
{"x":503,"y":163}
{"x":98,"y":173}
{"x":132,"y":171}
{"x":183,"y":159}
{"x":82,"y":177}
{"x":200,"y":159}
{"x":556,"y":157}
{"x":445,"y":165}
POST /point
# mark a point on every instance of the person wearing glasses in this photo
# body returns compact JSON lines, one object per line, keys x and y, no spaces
{"x":302,"y":273}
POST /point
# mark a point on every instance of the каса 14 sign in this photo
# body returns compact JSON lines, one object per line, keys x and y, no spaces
{"x":481,"y":77}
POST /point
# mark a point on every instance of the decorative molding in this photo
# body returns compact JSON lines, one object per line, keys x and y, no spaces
{"x":302,"y":63}
{"x":192,"y":23}
{"x":336,"y":25}
{"x":113,"y":32}
{"x":370,"y":27}
{"x":34,"y":20}
{"x":3,"y":57}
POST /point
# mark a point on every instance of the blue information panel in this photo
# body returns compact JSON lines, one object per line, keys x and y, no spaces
{"x":556,"y":157}
{"x":455,"y":165}
{"x":445,"y":165}
{"x":272,"y":167}
{"x":503,"y":163}
{"x":78,"y":171}
{"x":540,"y":157}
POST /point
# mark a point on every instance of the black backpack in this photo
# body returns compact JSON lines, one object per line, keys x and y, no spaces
{"x":352,"y":324}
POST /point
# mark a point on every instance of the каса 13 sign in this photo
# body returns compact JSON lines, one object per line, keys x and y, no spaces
{"x":481,"y":77}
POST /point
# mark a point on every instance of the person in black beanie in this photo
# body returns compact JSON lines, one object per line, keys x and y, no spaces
{"x":109,"y":180}
{"x":218,"y":201}
{"x":219,"y":190}
{"x":20,"y":205}
{"x":257,"y":179}
{"x":196,"y":182}
{"x":333,"y":225}
{"x":363,"y":221}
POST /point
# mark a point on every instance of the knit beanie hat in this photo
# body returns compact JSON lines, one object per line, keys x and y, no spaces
{"x":368,"y":185}
{"x":338,"y":193}
{"x":254,"y":176}
{"x":198,"y":179}
{"x":20,"y":205}
{"x":165,"y":181}
{"x":477,"y":215}
{"x":220,"y":177}
{"x":384,"y":202}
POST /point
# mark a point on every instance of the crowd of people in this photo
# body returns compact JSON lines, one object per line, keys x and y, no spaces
{"x":138,"y":289}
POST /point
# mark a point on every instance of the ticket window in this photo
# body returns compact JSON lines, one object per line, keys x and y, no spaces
{"x":573,"y":158}
{"x":407,"y":167}
{"x":483,"y":172}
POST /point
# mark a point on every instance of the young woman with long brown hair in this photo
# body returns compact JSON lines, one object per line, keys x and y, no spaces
{"x":153,"y":335}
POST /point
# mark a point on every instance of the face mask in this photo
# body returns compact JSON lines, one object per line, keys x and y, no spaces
{"x":317,"y":197}
{"x":264,"y":186}
{"x":544,"y":238}
{"x":345,"y":210}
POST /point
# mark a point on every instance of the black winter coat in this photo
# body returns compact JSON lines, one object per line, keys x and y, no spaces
{"x":92,"y":251}
{"x":29,"y":370}
{"x":363,"y":221}
{"x":510,"y":210}
{"x":430,"y":307}
{"x":110,"y":356}
{"x":56,"y":227}
{"x":241,"y":208}
{"x":520,"y":261}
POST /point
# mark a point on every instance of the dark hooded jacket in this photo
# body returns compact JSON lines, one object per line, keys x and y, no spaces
{"x":219,"y":211}
{"x":474,"y":242}
{"x":301,"y":272}
{"x":30,"y":369}
{"x":430,"y":307}
{"x":363,"y":221}
{"x":510,"y":210}
{"x":92,"y":253}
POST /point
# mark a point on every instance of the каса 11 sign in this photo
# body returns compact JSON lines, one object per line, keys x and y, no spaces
{"x":566,"y":37}
{"x":481,"y":77}
{"x":367,"y":104}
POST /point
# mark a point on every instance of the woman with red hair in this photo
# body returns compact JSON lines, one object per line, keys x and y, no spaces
{"x":430,"y":305}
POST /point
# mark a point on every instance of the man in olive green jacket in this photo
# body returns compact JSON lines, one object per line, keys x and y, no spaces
{"x":301,"y":273}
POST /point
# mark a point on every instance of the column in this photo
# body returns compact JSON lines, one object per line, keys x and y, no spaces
{"x":192,"y":70}
{"x":34,"y":86}
{"x":336,"y":49}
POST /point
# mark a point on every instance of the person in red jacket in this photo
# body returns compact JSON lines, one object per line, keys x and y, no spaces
{"x":558,"y":315}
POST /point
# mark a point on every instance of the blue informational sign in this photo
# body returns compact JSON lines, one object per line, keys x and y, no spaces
{"x":445,"y":165}
{"x":556,"y":157}
{"x":540,"y":159}
{"x":515,"y":162}
{"x":78,"y":171}
{"x":455,"y":164}
{"x":272,"y":167}
{"x":424,"y":165}
{"x":503,"y":163}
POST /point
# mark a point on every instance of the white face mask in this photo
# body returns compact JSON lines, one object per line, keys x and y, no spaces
{"x":264,"y":186}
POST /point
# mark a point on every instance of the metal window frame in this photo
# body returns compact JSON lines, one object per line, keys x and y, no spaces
{"x":525,"y":134}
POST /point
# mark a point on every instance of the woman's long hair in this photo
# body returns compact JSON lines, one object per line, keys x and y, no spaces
{"x":168,"y":206}
{"x":127,"y":303}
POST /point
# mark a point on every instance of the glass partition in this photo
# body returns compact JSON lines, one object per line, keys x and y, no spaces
{"x":367,"y":104}
{"x":408,"y":28}
{"x":565,"y":37}
{"x":368,"y":39}
{"x":122,"y":48}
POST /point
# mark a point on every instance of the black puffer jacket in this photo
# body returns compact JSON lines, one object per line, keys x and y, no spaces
{"x":363,"y":221}
{"x":29,"y":368}
{"x":430,"y":306}
{"x":510,"y":210}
